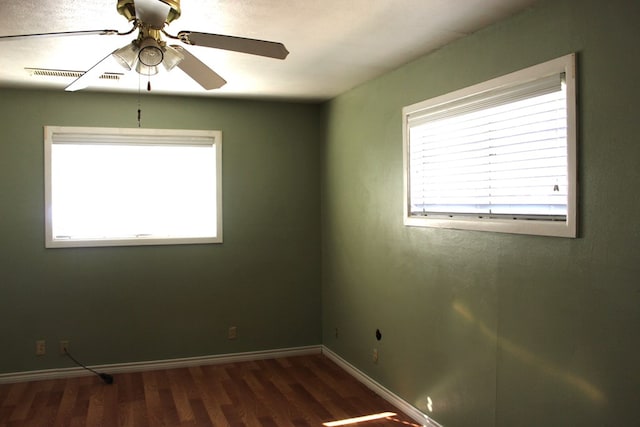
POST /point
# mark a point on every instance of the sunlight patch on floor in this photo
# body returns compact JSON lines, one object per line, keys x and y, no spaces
{"x":357,"y":420}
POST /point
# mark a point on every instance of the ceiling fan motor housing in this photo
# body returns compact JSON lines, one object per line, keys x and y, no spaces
{"x":127,"y":9}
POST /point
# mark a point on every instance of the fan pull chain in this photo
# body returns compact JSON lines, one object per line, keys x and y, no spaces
{"x":139,"y":110}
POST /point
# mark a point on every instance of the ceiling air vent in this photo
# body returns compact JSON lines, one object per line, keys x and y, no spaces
{"x":46,"y":72}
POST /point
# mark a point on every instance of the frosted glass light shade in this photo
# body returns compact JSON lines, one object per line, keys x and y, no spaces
{"x":146,"y":70}
{"x":171,"y":58}
{"x":150,"y":53}
{"x":126,"y":56}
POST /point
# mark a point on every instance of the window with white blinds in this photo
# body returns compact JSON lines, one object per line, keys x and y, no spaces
{"x":498,"y":156}
{"x":119,"y":187}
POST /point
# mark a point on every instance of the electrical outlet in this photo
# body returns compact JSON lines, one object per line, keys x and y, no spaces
{"x":64,"y":346}
{"x":233,"y":333}
{"x":375,"y":355}
{"x":41,"y":348}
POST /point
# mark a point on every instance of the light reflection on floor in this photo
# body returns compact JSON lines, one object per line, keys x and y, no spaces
{"x":366,"y":418}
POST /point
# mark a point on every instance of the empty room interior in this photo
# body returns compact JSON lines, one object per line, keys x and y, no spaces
{"x":314,"y":248}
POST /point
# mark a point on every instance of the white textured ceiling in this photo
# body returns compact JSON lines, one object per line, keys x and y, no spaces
{"x":334,"y":45}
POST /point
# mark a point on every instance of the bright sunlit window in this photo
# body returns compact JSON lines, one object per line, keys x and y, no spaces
{"x":498,"y":156}
{"x":118,"y":187}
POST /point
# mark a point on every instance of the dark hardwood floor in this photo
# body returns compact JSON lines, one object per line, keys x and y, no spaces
{"x":295,"y":391}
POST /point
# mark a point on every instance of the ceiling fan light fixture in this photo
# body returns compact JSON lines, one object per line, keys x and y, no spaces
{"x":171,"y":58}
{"x":150,"y":53}
{"x":148,"y":50}
{"x":126,"y":56}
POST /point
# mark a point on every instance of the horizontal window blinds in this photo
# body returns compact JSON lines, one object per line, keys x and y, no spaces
{"x":113,"y":138}
{"x":121,"y":186}
{"x":498,"y":153}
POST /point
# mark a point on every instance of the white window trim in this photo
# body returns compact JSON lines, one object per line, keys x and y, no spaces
{"x":146,"y":135}
{"x":567,"y":228}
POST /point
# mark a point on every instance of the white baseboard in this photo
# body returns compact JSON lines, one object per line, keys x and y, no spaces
{"x":120,"y":368}
{"x":381,"y":391}
{"x":158,"y":364}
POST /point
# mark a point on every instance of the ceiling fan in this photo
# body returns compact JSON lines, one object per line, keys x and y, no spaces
{"x":148,"y":51}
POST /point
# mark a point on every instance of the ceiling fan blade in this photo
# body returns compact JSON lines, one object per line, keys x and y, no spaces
{"x":63,"y":34}
{"x":91,"y":75}
{"x":152,"y":12}
{"x":199,"y":71}
{"x":237,"y":44}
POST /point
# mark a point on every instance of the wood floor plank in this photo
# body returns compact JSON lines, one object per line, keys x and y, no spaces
{"x":281,"y":404}
{"x":95,"y":410}
{"x":24,"y":403}
{"x":152,"y":399}
{"x":201,"y":416}
{"x":209,"y":392}
{"x":179,"y":379}
{"x":303,"y":391}
{"x":111,"y":405}
{"x":13,"y":394}
{"x":66,"y":405}
{"x":168,"y":410}
{"x":44,"y":413}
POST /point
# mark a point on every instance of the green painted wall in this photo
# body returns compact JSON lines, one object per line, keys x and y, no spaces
{"x":496,"y":329}
{"x":126,"y":304}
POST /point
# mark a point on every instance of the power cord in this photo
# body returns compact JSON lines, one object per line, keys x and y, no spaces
{"x":108,"y":379}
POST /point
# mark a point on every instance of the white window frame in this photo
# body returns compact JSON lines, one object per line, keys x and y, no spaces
{"x":129,"y":136}
{"x":566,"y":228}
